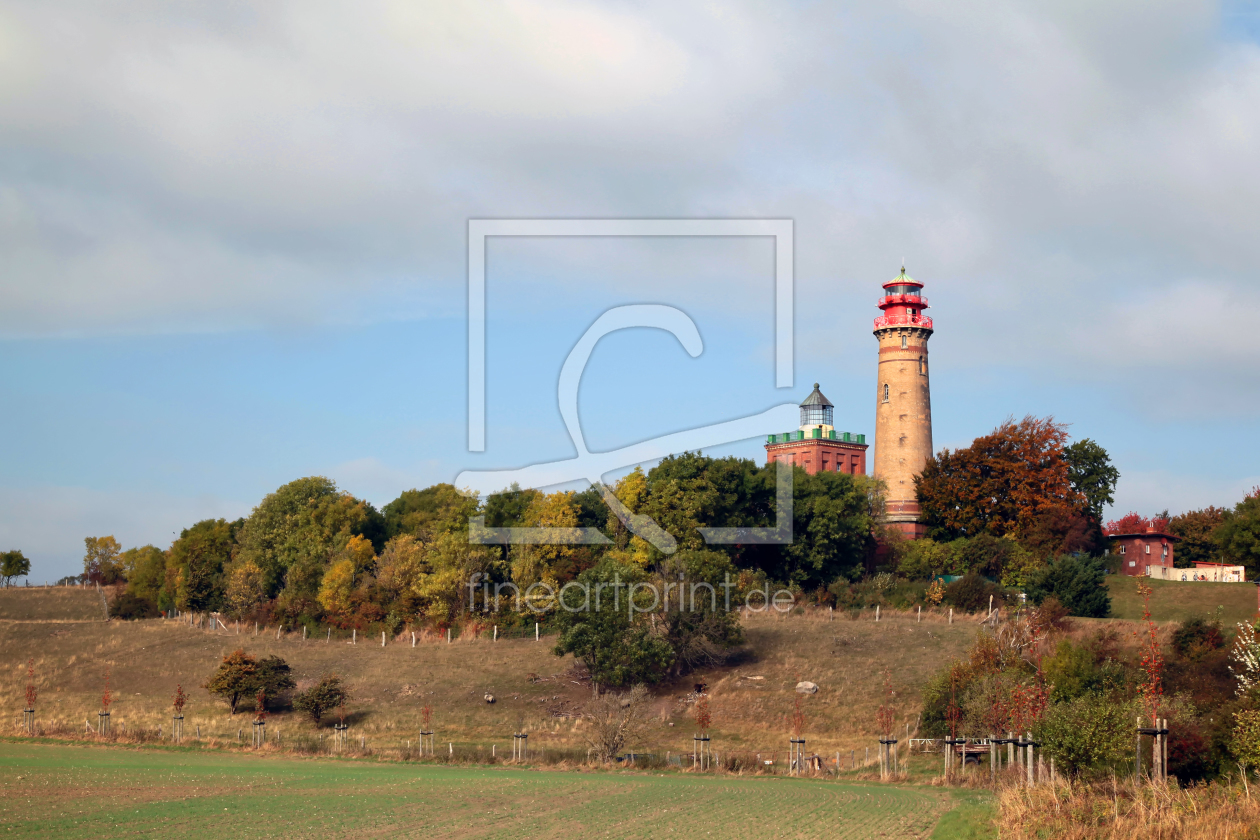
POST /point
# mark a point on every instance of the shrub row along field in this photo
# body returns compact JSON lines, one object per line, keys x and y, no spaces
{"x":751,"y":699}
{"x":70,"y":791}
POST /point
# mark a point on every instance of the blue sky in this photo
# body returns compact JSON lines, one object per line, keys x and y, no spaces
{"x":232,"y":239}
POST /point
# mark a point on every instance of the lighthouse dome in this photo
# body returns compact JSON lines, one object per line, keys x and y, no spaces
{"x":817,"y":410}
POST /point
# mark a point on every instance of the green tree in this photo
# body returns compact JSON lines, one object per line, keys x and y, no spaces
{"x":427,"y":513}
{"x":1239,"y":534}
{"x":1245,"y":740}
{"x":1089,"y":733}
{"x":294,"y":533}
{"x":610,"y":633}
{"x":100,"y":560}
{"x":321,"y":698}
{"x":13,"y":564}
{"x":697,"y":618}
{"x":1197,"y":531}
{"x":1092,"y":475}
{"x":145,"y":570}
{"x":924,"y":559}
{"x":201,"y":552}
{"x":1076,"y":581}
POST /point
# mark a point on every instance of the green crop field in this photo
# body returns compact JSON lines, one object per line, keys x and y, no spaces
{"x":1177,"y":600}
{"x":69,"y":791}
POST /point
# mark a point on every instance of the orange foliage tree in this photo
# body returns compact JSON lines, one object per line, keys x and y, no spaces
{"x":1006,"y":482}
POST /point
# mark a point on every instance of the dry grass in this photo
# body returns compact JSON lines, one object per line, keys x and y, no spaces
{"x":55,"y":603}
{"x":1122,"y":811}
{"x":533,"y":689}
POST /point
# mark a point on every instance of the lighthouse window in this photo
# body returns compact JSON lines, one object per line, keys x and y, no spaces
{"x":920,"y":364}
{"x":885,"y":392}
{"x":903,"y":342}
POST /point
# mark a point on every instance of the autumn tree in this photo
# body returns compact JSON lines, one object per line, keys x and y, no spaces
{"x":294,"y":532}
{"x":1001,"y":483}
{"x":246,"y":588}
{"x":241,"y":675}
{"x":1130,"y":523}
{"x":1197,"y":531}
{"x":234,"y":678}
{"x":100,"y":560}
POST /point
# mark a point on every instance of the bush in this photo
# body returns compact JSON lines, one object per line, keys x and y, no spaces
{"x":1089,"y":733}
{"x":130,"y":607}
{"x":321,"y":698}
{"x":1196,"y":637}
{"x":1076,"y":581}
{"x":971,"y":593}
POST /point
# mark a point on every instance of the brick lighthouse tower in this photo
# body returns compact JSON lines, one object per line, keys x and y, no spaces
{"x":903,"y":404}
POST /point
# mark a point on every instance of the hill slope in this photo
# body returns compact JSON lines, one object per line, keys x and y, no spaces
{"x":534,"y":689}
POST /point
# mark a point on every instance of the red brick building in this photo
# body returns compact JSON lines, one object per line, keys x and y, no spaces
{"x":1139,"y":553}
{"x":816,"y":446}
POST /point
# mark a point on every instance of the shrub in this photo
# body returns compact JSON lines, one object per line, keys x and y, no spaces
{"x":1076,"y":581}
{"x":321,"y":698}
{"x":971,"y":593}
{"x":1197,"y":636}
{"x":130,"y":607}
{"x":1089,"y":733}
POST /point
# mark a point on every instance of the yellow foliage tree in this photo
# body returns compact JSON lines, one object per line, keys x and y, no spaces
{"x":335,"y":588}
{"x":450,"y":563}
{"x":246,"y":587}
{"x":360,"y":552}
{"x":403,"y":560}
{"x":533,"y":563}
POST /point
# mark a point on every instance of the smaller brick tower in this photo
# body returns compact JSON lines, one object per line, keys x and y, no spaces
{"x":816,"y":446}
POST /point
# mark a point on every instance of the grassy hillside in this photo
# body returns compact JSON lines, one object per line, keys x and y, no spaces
{"x":57,"y":603}
{"x":1177,"y":600}
{"x":75,"y":791}
{"x":751,"y":700}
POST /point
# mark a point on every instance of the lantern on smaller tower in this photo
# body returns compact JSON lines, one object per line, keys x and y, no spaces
{"x":817,"y":412}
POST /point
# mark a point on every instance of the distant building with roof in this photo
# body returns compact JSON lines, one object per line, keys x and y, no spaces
{"x":1146,"y":554}
{"x":816,"y":446}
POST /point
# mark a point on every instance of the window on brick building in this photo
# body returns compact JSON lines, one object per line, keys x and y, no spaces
{"x":903,"y":342}
{"x":885,"y":392}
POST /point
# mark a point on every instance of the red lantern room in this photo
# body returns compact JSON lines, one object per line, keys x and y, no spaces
{"x":903,"y":304}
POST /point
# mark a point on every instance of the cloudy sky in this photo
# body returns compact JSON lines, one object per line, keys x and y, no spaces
{"x":233,"y":236}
